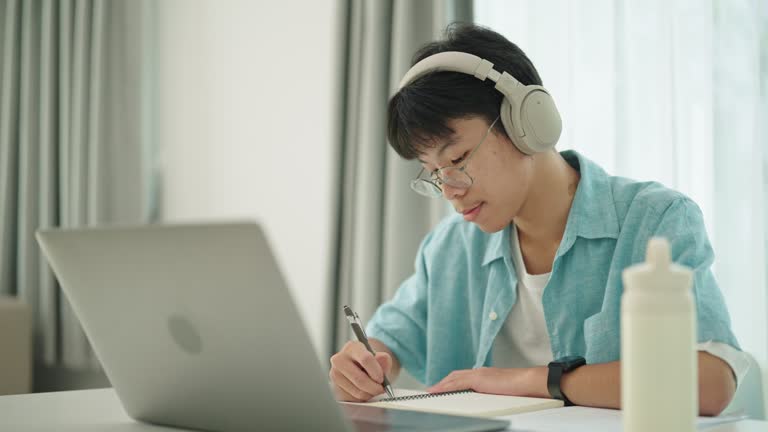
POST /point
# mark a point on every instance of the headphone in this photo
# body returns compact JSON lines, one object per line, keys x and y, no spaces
{"x":528,"y":113}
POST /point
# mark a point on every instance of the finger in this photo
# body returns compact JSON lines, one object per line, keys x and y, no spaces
{"x":385,"y":361}
{"x":448,"y":386}
{"x":341,"y":395}
{"x":454,"y":381}
{"x":437,"y":388}
{"x":368,"y":363}
{"x":353,"y":372}
{"x":365,"y":361}
{"x":345,"y":390}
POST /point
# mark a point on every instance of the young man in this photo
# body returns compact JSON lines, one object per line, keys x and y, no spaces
{"x":528,"y":274}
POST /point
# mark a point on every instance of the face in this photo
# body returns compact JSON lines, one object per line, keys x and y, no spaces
{"x":501,"y":173}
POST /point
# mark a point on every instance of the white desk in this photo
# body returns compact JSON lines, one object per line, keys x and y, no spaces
{"x":100,"y":411}
{"x":84,"y":410}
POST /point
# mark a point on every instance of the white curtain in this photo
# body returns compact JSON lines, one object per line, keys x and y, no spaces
{"x":674,"y":91}
{"x":73,"y":141}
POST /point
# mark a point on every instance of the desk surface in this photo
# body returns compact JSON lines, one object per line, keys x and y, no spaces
{"x":100,"y":410}
{"x":84,"y":410}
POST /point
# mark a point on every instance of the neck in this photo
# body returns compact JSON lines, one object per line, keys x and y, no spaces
{"x":544,"y":214}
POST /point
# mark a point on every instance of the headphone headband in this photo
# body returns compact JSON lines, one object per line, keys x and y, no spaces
{"x":452,"y":61}
{"x":528,"y":113}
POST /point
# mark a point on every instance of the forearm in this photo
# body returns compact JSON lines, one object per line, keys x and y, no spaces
{"x":379,"y":346}
{"x":599,"y":385}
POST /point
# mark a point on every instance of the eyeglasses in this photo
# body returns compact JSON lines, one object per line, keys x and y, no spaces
{"x":453,"y":176}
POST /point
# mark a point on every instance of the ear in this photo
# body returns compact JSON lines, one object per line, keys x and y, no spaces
{"x":507,"y":141}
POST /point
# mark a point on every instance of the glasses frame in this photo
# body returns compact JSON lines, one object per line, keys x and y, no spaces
{"x":436,"y":181}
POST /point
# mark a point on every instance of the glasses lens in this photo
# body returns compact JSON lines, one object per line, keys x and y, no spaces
{"x":455,"y":177}
{"x":426,"y":188}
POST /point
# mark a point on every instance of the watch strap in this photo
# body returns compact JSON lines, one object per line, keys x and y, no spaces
{"x":555,"y":374}
{"x":553,"y":383}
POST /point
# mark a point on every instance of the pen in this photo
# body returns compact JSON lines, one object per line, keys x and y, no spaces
{"x":357,"y":328}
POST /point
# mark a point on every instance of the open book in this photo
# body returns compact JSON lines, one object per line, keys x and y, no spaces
{"x":465,"y":403}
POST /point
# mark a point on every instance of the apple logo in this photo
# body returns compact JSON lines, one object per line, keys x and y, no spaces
{"x":184,"y":334}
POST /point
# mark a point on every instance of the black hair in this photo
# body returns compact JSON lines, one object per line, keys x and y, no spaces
{"x":418,"y":114}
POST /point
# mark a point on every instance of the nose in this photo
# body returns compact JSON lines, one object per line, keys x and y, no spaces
{"x":451,"y":193}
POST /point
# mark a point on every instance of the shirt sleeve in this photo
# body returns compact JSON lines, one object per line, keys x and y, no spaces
{"x":736,"y":359}
{"x":682,"y":224}
{"x":401,"y":323}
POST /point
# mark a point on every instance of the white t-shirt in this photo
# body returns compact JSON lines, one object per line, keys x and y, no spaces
{"x":524,"y":341}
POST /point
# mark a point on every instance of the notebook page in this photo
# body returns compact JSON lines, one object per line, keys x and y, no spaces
{"x":469,"y":404}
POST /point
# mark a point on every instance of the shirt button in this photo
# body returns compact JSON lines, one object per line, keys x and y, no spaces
{"x":493,"y":316}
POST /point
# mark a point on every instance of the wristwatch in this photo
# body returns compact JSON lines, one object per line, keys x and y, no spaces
{"x":556,"y":370}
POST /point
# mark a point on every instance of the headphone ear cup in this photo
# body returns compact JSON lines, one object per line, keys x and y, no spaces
{"x":507,"y":116}
{"x":540,"y":120}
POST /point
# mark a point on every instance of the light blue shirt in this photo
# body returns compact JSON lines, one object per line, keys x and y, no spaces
{"x":441,"y":318}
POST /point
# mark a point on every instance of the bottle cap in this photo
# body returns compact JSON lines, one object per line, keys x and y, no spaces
{"x":658,"y":271}
{"x":657,"y":254}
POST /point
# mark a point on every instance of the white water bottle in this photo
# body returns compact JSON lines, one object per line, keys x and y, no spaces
{"x":659,"y":368}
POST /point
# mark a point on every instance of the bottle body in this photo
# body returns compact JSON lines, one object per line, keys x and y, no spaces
{"x":659,"y":365}
{"x":659,"y":370}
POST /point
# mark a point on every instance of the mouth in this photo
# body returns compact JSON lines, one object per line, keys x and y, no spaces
{"x":470,"y":214}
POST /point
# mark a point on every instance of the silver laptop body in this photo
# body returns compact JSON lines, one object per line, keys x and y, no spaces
{"x":195,"y":327}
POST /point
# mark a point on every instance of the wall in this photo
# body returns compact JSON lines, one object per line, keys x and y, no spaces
{"x":245,"y":125}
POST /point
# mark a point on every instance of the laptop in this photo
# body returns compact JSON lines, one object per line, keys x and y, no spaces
{"x":195,"y":328}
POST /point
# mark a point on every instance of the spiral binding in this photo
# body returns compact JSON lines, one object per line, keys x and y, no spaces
{"x":426,"y":396}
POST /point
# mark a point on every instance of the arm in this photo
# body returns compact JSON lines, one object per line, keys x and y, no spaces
{"x":683,"y":225}
{"x":597,"y":385}
{"x":600,"y":385}
{"x":358,"y":375}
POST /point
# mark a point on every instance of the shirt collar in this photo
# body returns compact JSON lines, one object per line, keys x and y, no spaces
{"x":592,"y":215}
{"x":498,"y":245}
{"x":593,"y":212}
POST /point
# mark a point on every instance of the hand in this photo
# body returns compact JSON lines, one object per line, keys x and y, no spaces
{"x":514,"y":381}
{"x":357,"y":375}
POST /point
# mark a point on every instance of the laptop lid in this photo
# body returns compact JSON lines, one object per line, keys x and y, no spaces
{"x":195,"y":327}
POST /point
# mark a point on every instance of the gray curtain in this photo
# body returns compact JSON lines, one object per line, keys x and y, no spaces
{"x":380,"y":220}
{"x":72,"y":146}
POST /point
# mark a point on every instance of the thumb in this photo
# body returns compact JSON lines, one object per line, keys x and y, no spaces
{"x":385,"y":361}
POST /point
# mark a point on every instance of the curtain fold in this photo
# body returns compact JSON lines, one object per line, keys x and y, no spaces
{"x":64,"y":75}
{"x":380,"y":221}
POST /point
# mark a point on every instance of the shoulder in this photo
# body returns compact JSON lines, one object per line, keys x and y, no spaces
{"x":650,"y":209}
{"x":650,"y":201}
{"x":608,"y":204}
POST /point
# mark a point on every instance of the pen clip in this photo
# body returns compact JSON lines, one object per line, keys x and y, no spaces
{"x":349,"y":314}
{"x":354,"y":318}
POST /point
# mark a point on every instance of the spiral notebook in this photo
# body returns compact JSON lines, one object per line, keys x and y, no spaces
{"x":465,"y":403}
